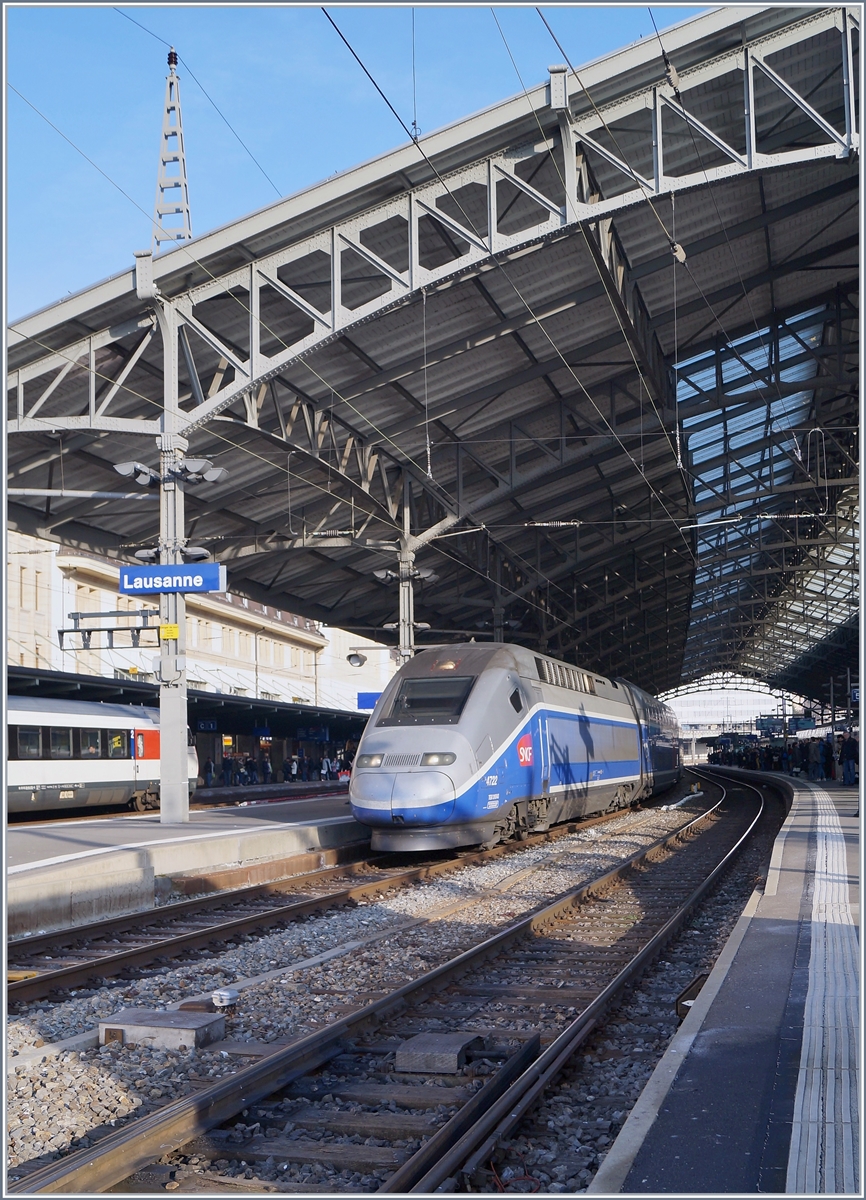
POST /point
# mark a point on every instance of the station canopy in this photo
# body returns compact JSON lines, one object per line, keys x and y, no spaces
{"x":590,"y":353}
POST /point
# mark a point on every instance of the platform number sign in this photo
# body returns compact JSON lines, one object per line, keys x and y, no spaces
{"x":524,"y":750}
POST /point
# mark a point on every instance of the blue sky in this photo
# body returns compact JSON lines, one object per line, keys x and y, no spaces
{"x":283,"y":79}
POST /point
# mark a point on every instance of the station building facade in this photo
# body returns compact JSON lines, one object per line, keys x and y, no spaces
{"x":234,"y":646}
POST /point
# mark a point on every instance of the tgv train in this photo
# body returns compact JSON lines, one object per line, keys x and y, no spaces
{"x":474,"y":744}
{"x":72,"y":754}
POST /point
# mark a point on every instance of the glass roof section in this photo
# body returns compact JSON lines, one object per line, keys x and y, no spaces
{"x":776,"y":543}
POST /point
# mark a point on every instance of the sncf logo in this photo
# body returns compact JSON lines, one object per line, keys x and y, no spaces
{"x":524,"y":750}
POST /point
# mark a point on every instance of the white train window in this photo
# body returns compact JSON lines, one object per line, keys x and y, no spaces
{"x":29,"y":741}
{"x":117,"y":745}
{"x":91,"y":743}
{"x":61,"y":743}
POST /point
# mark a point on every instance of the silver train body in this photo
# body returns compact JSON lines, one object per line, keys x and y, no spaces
{"x":77,"y":754}
{"x":471,"y":744}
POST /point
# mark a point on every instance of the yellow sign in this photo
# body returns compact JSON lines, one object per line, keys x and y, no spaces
{"x":169,"y":632}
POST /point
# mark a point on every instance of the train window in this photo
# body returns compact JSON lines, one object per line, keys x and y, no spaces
{"x":61,"y":743}
{"x":429,"y":701}
{"x":91,"y":743}
{"x":516,"y":702}
{"x":117,"y":745}
{"x":29,"y":741}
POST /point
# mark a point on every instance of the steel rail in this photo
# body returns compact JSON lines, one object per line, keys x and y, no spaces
{"x":42,"y":983}
{"x":120,"y":1154}
{"x":478,"y":1143}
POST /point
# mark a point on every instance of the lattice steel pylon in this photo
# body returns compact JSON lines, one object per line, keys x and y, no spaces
{"x":172,"y":190}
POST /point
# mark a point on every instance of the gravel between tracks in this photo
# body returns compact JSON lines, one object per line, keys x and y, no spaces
{"x":66,"y":1102}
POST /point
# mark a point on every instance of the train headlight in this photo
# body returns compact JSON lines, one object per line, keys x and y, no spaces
{"x":368,"y":760}
{"x":437,"y":760}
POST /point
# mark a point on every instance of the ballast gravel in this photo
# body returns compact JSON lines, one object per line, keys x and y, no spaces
{"x":69,"y":1101}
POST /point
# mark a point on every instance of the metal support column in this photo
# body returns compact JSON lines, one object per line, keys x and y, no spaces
{"x":173,"y":766}
{"x":407,"y":598}
{"x":173,"y":758}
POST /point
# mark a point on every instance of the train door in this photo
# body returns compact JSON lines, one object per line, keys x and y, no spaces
{"x":543,"y":776}
{"x":146,"y":753}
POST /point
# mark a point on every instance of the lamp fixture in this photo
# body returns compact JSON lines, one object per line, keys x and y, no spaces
{"x":142,"y":474}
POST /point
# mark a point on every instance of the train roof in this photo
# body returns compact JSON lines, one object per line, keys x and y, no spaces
{"x":80,"y":708}
{"x":474,"y":657}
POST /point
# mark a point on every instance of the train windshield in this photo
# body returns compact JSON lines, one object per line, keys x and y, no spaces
{"x":429,"y":701}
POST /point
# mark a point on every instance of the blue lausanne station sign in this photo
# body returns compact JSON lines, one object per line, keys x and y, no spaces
{"x":203,"y":577}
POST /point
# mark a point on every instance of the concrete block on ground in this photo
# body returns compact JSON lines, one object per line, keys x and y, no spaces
{"x":438,"y":1053}
{"x":167,"y":1030}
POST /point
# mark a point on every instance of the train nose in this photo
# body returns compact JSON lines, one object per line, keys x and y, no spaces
{"x":404,"y":796}
{"x":422,"y":796}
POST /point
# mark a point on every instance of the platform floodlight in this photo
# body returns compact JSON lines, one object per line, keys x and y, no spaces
{"x":195,"y":553}
{"x":215,"y":475}
{"x":355,"y":659}
{"x":196,"y":466}
{"x":387,"y":576}
{"x":148,"y":555}
{"x":422,"y":625}
{"x":142,"y":474}
{"x":427,"y":575}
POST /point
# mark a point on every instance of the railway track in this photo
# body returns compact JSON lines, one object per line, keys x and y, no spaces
{"x":42,"y":964}
{"x":497,"y":1023}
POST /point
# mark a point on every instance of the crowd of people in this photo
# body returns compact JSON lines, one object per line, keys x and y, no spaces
{"x":245,"y":770}
{"x":820,"y":759}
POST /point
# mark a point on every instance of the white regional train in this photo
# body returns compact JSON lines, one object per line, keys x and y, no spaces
{"x":74,"y":754}
{"x":472,"y":744}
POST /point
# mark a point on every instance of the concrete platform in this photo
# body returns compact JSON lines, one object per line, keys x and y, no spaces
{"x":258,"y":793}
{"x":70,"y":872}
{"x":758,"y":1090}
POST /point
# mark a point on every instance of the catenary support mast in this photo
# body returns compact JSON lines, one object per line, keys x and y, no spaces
{"x":172,"y":191}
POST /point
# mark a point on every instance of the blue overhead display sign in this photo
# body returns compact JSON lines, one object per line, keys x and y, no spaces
{"x":368,"y":699}
{"x":203,"y":577}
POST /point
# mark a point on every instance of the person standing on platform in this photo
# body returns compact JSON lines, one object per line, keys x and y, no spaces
{"x":208,"y":772}
{"x":829,"y":761}
{"x":294,"y":770}
{"x":326,"y":768}
{"x":267,"y":770}
{"x":848,"y":756}
{"x":305,"y":769}
{"x":252,"y":769}
{"x":227,"y":771}
{"x":814,"y":758}
{"x":287,"y":770}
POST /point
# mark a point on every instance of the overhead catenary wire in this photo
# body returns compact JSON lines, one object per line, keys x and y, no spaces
{"x":642,"y":381}
{"x":679,"y":255}
{"x":673,"y":78}
{"x":538,"y":323}
{"x":382,"y":433}
{"x":514,"y":554}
